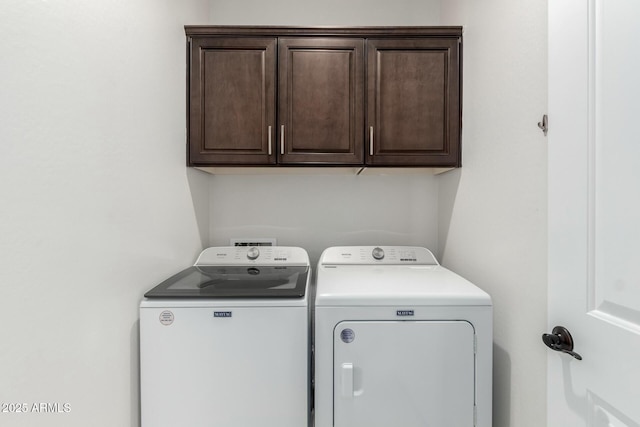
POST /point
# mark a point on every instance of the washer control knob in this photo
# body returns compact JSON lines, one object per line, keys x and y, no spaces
{"x":378,"y":253}
{"x":253,"y":253}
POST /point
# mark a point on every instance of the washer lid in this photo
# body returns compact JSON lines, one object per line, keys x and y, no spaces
{"x":234,"y":282}
{"x":240,"y":272}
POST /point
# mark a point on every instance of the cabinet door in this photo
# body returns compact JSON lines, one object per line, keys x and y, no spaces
{"x":321,"y":107}
{"x":232,"y":101}
{"x":413,"y":105}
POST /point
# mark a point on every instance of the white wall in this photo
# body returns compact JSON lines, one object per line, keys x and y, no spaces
{"x":317,"y":212}
{"x":96,"y":205}
{"x":327,"y":12}
{"x":493,"y":210}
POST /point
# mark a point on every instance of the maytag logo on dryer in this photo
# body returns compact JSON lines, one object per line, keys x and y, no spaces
{"x":222,"y":314}
{"x":404,"y":313}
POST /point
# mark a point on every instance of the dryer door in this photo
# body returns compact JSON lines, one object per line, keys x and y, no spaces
{"x":404,"y":373}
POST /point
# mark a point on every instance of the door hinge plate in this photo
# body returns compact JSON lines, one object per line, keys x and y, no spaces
{"x":544,"y":124}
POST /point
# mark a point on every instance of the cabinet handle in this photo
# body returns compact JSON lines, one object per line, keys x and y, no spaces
{"x":269,"y":140}
{"x":371,"y":140}
{"x":282,"y":139}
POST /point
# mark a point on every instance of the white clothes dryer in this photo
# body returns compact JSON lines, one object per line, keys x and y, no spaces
{"x":227,"y":341}
{"x":399,"y":341}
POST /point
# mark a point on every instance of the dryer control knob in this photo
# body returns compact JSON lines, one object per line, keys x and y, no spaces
{"x":378,"y":253}
{"x":253,"y":253}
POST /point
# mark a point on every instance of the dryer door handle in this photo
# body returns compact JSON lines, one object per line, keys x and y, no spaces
{"x":347,"y":380}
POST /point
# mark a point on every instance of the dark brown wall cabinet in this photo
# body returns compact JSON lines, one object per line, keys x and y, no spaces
{"x":378,"y":96}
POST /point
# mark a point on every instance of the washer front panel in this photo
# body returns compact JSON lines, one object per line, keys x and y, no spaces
{"x":224,"y":366}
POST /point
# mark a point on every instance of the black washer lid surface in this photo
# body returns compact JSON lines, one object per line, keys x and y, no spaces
{"x":234,"y":282}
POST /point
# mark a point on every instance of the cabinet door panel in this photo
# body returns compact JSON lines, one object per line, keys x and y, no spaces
{"x":321,"y":101}
{"x":232,"y":101}
{"x":413,"y":102}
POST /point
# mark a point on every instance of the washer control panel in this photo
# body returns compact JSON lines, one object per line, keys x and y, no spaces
{"x":388,"y":255}
{"x":253,"y":253}
{"x":243,"y":255}
{"x":377,"y":253}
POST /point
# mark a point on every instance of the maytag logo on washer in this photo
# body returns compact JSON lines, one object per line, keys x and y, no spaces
{"x":404,"y":313}
{"x":222,"y":314}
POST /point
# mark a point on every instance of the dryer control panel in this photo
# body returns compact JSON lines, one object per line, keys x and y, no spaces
{"x":386,"y":255}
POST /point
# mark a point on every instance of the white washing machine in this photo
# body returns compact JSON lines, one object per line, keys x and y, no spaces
{"x":399,"y":341}
{"x":226,"y":342}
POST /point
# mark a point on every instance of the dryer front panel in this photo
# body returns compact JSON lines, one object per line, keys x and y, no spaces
{"x":404,"y":373}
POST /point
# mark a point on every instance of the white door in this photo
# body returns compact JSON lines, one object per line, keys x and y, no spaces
{"x":594,"y":211}
{"x":404,"y":373}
